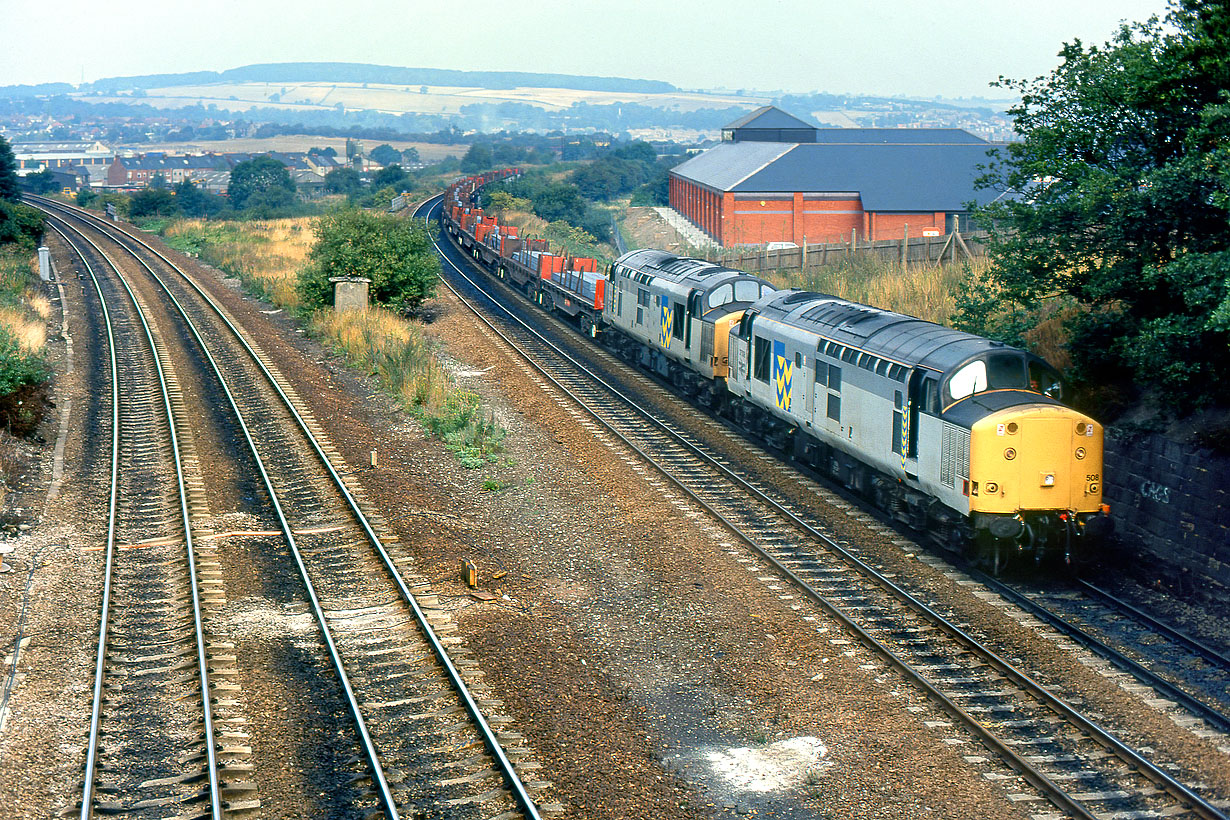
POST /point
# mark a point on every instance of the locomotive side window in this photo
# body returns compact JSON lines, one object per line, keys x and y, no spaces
{"x":1043,"y":379}
{"x":931,"y":396}
{"x":677,"y":321}
{"x":898,"y":421}
{"x":761,"y":360}
{"x":642,"y":302}
{"x":822,"y":372}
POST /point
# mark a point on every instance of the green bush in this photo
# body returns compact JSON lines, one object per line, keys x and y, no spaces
{"x":395,"y":254}
{"x":20,"y":224}
{"x":23,"y":391}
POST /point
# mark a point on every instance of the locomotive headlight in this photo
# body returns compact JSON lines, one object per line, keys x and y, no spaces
{"x":1048,"y":480}
{"x":1010,"y":454}
{"x":1080,"y":453}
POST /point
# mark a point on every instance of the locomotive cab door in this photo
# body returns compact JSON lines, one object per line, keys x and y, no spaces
{"x":694,"y":313}
{"x":914,"y":396}
{"x":922,"y":397}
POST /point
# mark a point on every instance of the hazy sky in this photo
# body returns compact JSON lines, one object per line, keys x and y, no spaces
{"x":910,"y":47}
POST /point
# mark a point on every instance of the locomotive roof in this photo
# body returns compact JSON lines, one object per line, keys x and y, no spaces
{"x":683,"y":269}
{"x":894,"y":336}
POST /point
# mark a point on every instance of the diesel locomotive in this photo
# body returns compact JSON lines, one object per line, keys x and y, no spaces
{"x":954,"y":434}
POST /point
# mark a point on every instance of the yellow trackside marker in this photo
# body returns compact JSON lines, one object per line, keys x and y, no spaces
{"x":469,"y":573}
{"x":373,"y":459}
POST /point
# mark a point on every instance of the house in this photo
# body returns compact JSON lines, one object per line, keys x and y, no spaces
{"x":140,"y":171}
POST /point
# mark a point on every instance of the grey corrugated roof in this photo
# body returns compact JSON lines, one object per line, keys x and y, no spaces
{"x":888,"y":177}
{"x":916,"y":136}
{"x":770,"y":117}
{"x":725,"y":166}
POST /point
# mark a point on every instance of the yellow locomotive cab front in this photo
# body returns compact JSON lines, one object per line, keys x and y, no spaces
{"x":1036,"y":458}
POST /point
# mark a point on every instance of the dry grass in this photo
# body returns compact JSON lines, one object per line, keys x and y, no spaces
{"x":926,"y":292}
{"x":266,"y":255}
{"x":398,"y":354}
{"x":31,"y":334}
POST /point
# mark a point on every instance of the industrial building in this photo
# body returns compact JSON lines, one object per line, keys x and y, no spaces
{"x":776,"y":178}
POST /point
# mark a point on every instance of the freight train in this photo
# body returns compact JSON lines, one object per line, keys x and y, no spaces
{"x":957,"y":435}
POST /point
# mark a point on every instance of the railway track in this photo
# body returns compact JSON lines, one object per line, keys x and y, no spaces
{"x":152,"y":676}
{"x":417,"y":710}
{"x":1187,"y":678}
{"x":1052,"y":750}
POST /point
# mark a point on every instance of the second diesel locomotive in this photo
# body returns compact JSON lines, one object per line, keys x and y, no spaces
{"x":952,"y":433}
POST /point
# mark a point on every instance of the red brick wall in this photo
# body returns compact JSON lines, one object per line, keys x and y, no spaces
{"x":892,"y":226}
{"x":789,"y":217}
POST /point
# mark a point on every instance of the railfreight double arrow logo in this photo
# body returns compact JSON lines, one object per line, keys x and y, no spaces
{"x":783,"y":375}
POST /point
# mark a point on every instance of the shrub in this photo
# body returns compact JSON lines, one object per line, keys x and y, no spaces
{"x":23,"y":393}
{"x":395,"y":254}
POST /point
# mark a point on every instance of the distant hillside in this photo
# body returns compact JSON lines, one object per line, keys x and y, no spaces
{"x":389,"y":75}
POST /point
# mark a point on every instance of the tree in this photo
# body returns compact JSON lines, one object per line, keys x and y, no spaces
{"x":385,"y":155}
{"x":262,"y":181}
{"x":20,"y":223}
{"x":1117,"y":209}
{"x":196,"y":203}
{"x":478,"y":158}
{"x":343,"y":181}
{"x":411,"y":156}
{"x":44,"y":182}
{"x":559,"y":200}
{"x":153,"y":202}
{"x":396,"y":254}
{"x":10,"y":188}
{"x":159,"y":181}
{"x":392,"y":177}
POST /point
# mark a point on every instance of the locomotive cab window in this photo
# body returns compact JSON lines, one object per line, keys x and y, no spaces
{"x":723,"y":295}
{"x":677,"y":319}
{"x":747,"y":290}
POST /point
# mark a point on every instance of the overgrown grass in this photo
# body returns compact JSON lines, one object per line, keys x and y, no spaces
{"x":23,"y":371}
{"x":397,"y":353}
{"x":265,"y":255}
{"x":267,"y":258}
{"x":926,"y":292}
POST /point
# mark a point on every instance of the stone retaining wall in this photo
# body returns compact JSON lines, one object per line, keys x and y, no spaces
{"x":1171,"y":505}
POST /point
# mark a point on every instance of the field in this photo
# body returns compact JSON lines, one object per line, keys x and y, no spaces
{"x":396,"y":99}
{"x":428,"y":151}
